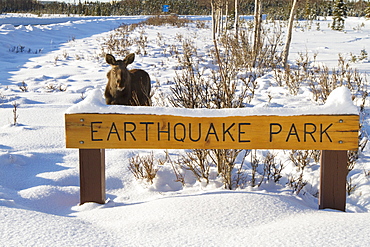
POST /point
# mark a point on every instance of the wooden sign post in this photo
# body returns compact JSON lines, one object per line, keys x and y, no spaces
{"x":335,"y":134}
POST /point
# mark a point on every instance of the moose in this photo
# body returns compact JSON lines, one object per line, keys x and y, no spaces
{"x":126,"y":87}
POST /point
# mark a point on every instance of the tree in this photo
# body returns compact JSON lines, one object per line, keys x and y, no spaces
{"x":339,"y":13}
{"x":257,"y":30}
{"x":216,"y":17}
{"x":289,"y":34}
{"x":236,"y":18}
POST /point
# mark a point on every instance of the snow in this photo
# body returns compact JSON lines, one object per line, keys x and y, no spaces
{"x":338,"y":102}
{"x":39,"y":177}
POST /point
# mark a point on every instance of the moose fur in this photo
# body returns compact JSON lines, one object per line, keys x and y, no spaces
{"x":126,"y":87}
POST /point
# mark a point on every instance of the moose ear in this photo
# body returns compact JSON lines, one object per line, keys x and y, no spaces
{"x":129,"y":58}
{"x":110,"y":59}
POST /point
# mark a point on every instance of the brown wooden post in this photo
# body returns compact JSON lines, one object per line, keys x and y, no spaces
{"x":92,"y":175}
{"x":333,"y":179}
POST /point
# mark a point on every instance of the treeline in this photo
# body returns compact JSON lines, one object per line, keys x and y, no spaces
{"x":18,"y":5}
{"x":124,"y":7}
{"x":275,"y":9}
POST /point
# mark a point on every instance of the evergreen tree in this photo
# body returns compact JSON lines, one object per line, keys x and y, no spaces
{"x":339,"y":13}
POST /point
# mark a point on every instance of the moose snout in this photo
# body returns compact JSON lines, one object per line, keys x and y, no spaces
{"x":120,"y":84}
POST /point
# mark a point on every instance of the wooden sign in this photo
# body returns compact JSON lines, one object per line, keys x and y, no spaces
{"x":320,"y":132}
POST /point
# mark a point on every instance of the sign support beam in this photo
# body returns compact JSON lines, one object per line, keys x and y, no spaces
{"x":333,"y":174}
{"x":92,"y":175}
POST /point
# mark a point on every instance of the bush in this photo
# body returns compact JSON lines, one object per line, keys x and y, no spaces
{"x":161,"y":20}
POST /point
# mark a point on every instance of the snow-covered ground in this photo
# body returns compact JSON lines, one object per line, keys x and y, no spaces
{"x":39,"y":177}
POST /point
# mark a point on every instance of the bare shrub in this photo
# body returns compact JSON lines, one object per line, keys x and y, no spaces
{"x":240,"y":48}
{"x":254,"y":164}
{"x":143,"y":168}
{"x":2,"y":97}
{"x":352,"y":158}
{"x":222,"y":89}
{"x":191,"y":89}
{"x":272,"y":168}
{"x":351,"y":162}
{"x":237,"y":64}
{"x":367,"y":173}
{"x":15,"y":113}
{"x":240,"y":177}
{"x":160,"y":20}
{"x":176,"y":167}
{"x":231,"y":84}
{"x":201,"y":24}
{"x":54,"y":87}
{"x":23,"y":87}
{"x":301,"y":159}
{"x":141,"y":42}
{"x":198,"y":162}
{"x":225,"y":161}
{"x":23,"y":49}
{"x":119,"y":42}
{"x":297,"y":183}
{"x":350,"y":187}
{"x":320,"y":79}
{"x":315,"y":155}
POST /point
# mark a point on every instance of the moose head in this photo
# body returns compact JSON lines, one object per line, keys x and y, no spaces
{"x":126,"y":87}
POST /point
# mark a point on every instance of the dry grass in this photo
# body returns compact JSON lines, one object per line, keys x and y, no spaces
{"x":161,"y":20}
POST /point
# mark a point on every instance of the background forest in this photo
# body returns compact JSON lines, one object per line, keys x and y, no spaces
{"x":307,"y":9}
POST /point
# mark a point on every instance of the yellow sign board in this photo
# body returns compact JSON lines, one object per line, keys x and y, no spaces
{"x":319,"y":132}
